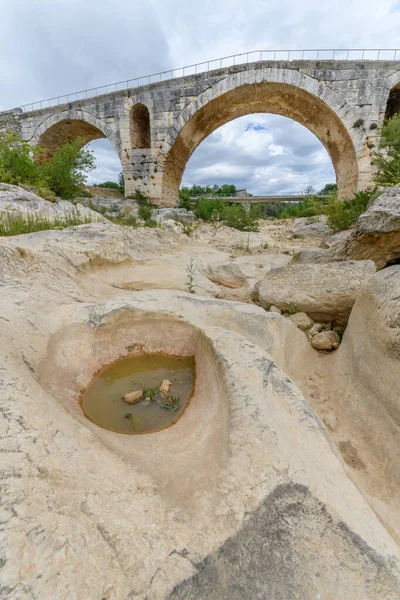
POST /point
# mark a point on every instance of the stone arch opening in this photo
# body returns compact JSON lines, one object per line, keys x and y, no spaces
{"x":67,"y":130}
{"x":276,"y":98}
{"x":393,"y":103}
{"x":140,"y":126}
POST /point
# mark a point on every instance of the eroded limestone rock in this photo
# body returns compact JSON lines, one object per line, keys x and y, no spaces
{"x":325,"y":340}
{"x":376,"y":235}
{"x":326,"y":292}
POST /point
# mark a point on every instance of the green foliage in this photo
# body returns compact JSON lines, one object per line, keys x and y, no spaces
{"x":188,"y":228}
{"x":387,"y":159}
{"x":358,"y":123}
{"x":241,"y":217}
{"x":128,"y":220}
{"x":191,"y":270}
{"x":209,"y":210}
{"x":309,"y":207}
{"x":17,"y":162}
{"x":373,"y":126}
{"x":66,"y":170}
{"x":144,"y":211}
{"x":121,"y":183}
{"x":342,"y":215}
{"x":170,"y":403}
{"x":151,"y":223}
{"x":110,"y":185}
{"x":150,"y":393}
{"x":17,"y":223}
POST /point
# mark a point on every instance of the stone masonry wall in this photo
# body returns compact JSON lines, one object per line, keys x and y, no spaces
{"x":351,"y":95}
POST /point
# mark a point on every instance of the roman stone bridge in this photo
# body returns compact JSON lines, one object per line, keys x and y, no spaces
{"x":155,"y":127}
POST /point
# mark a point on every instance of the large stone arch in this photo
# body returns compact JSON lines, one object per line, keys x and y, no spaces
{"x":278,"y":91}
{"x":71,"y":124}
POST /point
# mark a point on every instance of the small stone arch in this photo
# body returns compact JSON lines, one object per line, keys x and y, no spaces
{"x":393,"y":102}
{"x":139,"y":126}
{"x":69,"y":125}
{"x":304,"y":100}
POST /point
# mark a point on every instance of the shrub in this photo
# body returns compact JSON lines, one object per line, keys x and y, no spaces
{"x":342,"y":215}
{"x":65,"y":171}
{"x":144,"y":211}
{"x":151,"y":223}
{"x":387,"y":159}
{"x":358,"y":123}
{"x":241,"y":217}
{"x":17,"y":162}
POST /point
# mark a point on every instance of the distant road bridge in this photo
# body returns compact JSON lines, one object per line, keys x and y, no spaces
{"x":156,"y":122}
{"x":290,"y":197}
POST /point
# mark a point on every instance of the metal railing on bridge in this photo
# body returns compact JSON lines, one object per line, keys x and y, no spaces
{"x":218,"y":63}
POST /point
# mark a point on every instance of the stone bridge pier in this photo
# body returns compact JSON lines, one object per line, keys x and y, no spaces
{"x":155,"y":128}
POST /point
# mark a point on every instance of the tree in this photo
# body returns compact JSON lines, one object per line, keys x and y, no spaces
{"x":17,"y":161}
{"x":121,"y":183}
{"x":66,"y":169}
{"x":387,"y":159}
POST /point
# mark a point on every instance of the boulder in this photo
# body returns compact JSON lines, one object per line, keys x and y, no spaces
{"x":316,"y":328}
{"x":376,"y":235}
{"x":325,"y":340}
{"x":275,"y":309}
{"x":303,"y":228}
{"x":301,"y":320}
{"x":15,"y":199}
{"x":308,"y":256}
{"x":178,"y":214}
{"x":228,"y":274}
{"x":325,"y":292}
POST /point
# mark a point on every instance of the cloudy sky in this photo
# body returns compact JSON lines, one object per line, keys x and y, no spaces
{"x":52,"y":47}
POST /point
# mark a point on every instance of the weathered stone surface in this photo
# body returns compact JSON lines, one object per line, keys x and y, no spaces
{"x":227,"y":274}
{"x":308,"y":256}
{"x":303,"y":228}
{"x":376,"y":235}
{"x":325,"y":340}
{"x":301,"y":320}
{"x":244,"y":496}
{"x":179,"y":214}
{"x":17,"y":199}
{"x":325,"y":292}
{"x":155,"y":128}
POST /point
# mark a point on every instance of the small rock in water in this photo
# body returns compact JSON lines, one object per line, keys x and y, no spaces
{"x":133,"y":397}
{"x":325,"y":340}
{"x":165,"y":386}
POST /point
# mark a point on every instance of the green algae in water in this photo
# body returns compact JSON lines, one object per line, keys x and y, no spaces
{"x":103,"y":403}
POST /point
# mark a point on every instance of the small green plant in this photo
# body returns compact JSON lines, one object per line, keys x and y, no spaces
{"x":170,"y":403}
{"x":292,"y":309}
{"x":128,"y":220}
{"x":16,"y":223}
{"x":144,"y":211}
{"x":191,"y":270}
{"x":150,"y":393}
{"x":188,"y":228}
{"x":359,"y":123}
{"x":151,"y":223}
{"x":373,"y":126}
